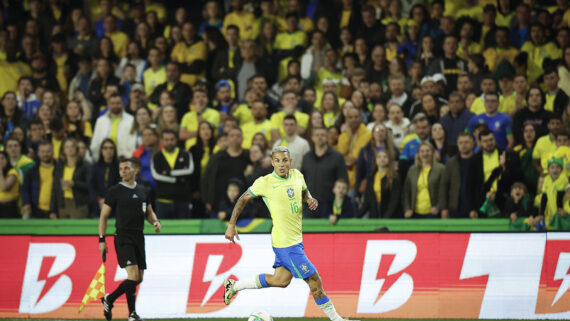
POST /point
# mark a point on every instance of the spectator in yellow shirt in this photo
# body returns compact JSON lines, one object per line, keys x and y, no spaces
{"x":502,"y":50}
{"x":242,"y":19}
{"x":120,"y":39}
{"x":351,"y":141}
{"x":191,"y":120}
{"x":538,"y":48}
{"x":289,"y":44}
{"x":190,"y":54}
{"x":471,"y":10}
{"x":467,"y":45}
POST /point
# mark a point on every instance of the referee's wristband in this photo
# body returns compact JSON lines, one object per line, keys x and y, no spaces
{"x":101,"y":239}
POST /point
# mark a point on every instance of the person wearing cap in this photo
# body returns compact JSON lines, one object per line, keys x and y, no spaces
{"x":179,"y":90}
{"x":449,"y":65}
{"x":552,"y":192}
{"x":223,"y":100}
{"x":190,"y":54}
{"x":499,"y":123}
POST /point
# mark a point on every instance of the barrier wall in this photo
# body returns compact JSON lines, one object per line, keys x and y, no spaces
{"x":399,"y":275}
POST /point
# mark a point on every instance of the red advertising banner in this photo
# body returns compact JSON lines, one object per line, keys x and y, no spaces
{"x":400,"y":275}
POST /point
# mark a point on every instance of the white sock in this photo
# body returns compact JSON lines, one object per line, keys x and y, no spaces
{"x":251,"y":283}
{"x":330,"y":311}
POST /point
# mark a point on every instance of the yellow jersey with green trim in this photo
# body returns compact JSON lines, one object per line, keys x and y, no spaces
{"x":284,"y":199}
{"x":152,"y":78}
{"x":250,"y":129}
{"x":277,"y":121}
{"x":188,"y":54}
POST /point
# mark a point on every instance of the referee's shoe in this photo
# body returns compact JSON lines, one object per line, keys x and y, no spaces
{"x":107,"y":307}
{"x":134,"y":317}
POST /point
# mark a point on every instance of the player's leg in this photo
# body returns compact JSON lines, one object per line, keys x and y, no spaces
{"x":281,"y":278}
{"x":316,"y":286}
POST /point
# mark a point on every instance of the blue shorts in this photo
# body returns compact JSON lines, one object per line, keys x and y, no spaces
{"x":293,"y":258}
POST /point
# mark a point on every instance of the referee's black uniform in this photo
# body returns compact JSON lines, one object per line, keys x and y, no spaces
{"x":129,"y":204}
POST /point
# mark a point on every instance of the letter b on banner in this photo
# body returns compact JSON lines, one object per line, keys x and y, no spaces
{"x":394,"y":256}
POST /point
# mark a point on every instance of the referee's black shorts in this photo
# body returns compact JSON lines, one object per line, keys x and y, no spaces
{"x":130,"y":250}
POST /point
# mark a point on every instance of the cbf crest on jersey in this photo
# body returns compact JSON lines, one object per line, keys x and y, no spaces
{"x":290,"y":193}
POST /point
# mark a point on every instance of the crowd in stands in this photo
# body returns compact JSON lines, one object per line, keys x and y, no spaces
{"x":390,"y":108}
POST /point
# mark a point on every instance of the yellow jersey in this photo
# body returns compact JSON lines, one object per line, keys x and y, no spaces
{"x":243,"y":20}
{"x":153,"y":78}
{"x":543,"y":150}
{"x":13,"y":192}
{"x":250,"y":129}
{"x":551,"y":188}
{"x":277,"y":121}
{"x":120,"y":42}
{"x":46,"y":184}
{"x":188,"y":54}
{"x":284,"y":199}
{"x":190,"y":123}
{"x":423,"y":200}
{"x":243,"y":114}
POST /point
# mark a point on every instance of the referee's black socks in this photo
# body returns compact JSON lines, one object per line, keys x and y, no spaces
{"x":129,"y":287}
{"x":131,"y":293}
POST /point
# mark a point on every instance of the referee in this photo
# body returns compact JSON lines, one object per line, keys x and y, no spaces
{"x":131,"y":204}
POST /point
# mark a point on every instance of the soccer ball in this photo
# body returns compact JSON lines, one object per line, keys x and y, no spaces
{"x":260,"y":316}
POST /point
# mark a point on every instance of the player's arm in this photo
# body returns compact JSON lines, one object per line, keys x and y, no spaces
{"x":312,"y":202}
{"x":105,"y":212}
{"x":152,"y":219}
{"x":242,"y":201}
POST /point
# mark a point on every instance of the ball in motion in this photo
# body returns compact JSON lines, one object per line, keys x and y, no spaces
{"x":260,"y":316}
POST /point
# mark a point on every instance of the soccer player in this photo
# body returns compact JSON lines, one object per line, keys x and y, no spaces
{"x":131,"y":204}
{"x":284,"y":191}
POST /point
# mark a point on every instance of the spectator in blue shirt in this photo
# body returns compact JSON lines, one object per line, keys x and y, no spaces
{"x":500,"y":124}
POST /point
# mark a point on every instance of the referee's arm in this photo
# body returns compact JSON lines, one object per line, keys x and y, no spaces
{"x":152,"y":219}
{"x":105,"y":212}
